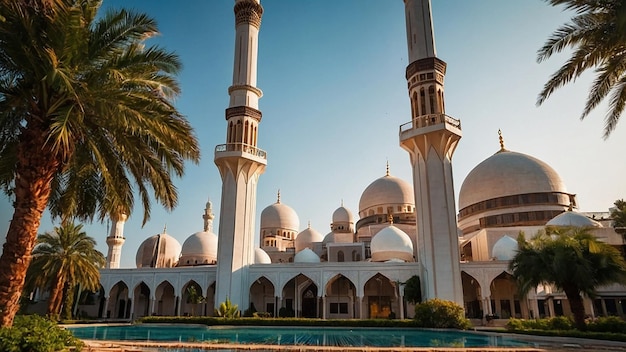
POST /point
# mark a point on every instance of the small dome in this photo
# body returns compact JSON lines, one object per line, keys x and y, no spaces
{"x":386,"y":191}
{"x":505,"y":248}
{"x":574,"y":219}
{"x":306,"y":256}
{"x":261,"y":257}
{"x":391,"y":243}
{"x":199,"y":248}
{"x":342,"y":214}
{"x":306,"y":238}
{"x":508,"y":173}
{"x":281,"y":216}
{"x":329,"y":238}
{"x":158,"y":251}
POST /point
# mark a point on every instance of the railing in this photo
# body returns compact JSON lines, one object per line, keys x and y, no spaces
{"x":241,"y":147}
{"x":430,"y":120}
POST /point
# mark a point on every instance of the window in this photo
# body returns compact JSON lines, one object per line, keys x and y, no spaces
{"x":340,"y":256}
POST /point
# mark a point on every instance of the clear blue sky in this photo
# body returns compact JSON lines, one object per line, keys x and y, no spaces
{"x":332,"y":73}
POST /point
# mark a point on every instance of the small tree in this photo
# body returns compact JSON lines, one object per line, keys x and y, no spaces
{"x":227,"y":310}
{"x":194,"y":298}
{"x":438,"y":313}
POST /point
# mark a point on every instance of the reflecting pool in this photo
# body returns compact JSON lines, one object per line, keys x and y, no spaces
{"x":312,"y":336}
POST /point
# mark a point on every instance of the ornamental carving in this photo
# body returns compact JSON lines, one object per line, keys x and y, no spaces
{"x":248,"y":11}
{"x":244,"y":111}
{"x":427,"y":64}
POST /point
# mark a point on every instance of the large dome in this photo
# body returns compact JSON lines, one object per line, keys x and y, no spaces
{"x":508,"y":173}
{"x":199,"y":248}
{"x":307,"y":238}
{"x":281,"y":216}
{"x":391,"y":243}
{"x":386,"y":191}
{"x":158,"y":251}
{"x":342,"y":214}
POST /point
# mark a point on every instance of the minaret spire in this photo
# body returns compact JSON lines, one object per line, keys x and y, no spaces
{"x":208,"y":216}
{"x":419,"y":29}
{"x":240,"y":161}
{"x":115,"y":240}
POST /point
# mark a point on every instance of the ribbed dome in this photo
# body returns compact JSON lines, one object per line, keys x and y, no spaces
{"x":342,"y":214}
{"x":391,"y":243}
{"x":387,"y":190}
{"x":505,"y":248}
{"x":508,"y":173}
{"x":158,"y":251}
{"x":199,"y":248}
{"x":572,"y":218}
{"x":261,"y":257}
{"x":306,"y":256}
{"x":279,"y":215}
{"x":306,"y":239}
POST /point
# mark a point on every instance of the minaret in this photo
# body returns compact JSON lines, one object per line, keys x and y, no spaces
{"x":115,"y":240}
{"x":240,"y":162}
{"x":208,"y":217}
{"x":431,"y":138}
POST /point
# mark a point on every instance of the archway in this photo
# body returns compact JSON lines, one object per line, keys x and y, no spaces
{"x":119,"y":303}
{"x":165,"y":299}
{"x":472,"y":296}
{"x":293,"y":292}
{"x":262,"y":297}
{"x":192,"y":299}
{"x":141,"y":296}
{"x":380,"y":295}
{"x":505,"y":302}
{"x":340,"y":298}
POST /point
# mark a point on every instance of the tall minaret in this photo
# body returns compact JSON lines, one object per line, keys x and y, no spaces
{"x":115,"y":240}
{"x":208,"y":217}
{"x":430,"y":138}
{"x":240,"y":162}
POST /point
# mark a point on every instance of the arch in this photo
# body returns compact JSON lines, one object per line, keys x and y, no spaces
{"x":340,"y":298}
{"x":505,"y":302}
{"x":119,"y":301}
{"x":292,"y":294}
{"x":193,"y":300}
{"x":141,"y":300}
{"x":380,"y":297}
{"x":262,"y":296}
{"x":414,"y":109}
{"x":165,"y":297}
{"x":340,"y":256}
{"x":422,"y":101}
{"x":231,"y":133}
{"x":432,"y":99}
{"x":246,"y":133}
{"x":472,"y":296}
{"x":238,"y":132}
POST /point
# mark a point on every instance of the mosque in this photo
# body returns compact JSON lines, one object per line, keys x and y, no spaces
{"x":404,"y":229}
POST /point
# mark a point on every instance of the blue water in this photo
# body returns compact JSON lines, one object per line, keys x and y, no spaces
{"x":312,"y":336}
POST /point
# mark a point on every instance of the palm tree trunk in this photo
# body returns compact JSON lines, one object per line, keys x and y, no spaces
{"x":577,"y":307}
{"x":56,"y":294}
{"x":35,"y":169}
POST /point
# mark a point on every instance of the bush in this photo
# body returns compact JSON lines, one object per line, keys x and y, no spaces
{"x":555,"y":323}
{"x":561,"y":323}
{"x":36,"y":334}
{"x":437,"y":313}
{"x":607,"y":324}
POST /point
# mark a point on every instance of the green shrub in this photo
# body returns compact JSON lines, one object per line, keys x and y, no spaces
{"x":556,"y":323}
{"x":33,"y":333}
{"x":437,"y":313}
{"x":561,"y":323}
{"x":515,"y":324}
{"x":607,"y":324}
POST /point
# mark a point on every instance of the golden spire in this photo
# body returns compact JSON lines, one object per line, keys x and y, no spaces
{"x":278,"y":200}
{"x":502,"y":149}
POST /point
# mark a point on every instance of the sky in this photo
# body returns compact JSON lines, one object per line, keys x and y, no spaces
{"x":332,"y":75}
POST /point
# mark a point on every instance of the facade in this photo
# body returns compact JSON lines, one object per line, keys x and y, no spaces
{"x":359,"y":268}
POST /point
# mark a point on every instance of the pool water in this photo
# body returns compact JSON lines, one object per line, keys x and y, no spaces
{"x":312,"y":336}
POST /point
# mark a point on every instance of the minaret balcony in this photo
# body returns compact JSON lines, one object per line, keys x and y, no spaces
{"x":240,"y":150}
{"x":429,"y":123}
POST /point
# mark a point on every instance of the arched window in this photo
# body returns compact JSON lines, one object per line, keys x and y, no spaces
{"x":431,"y":98}
{"x":245,"y":133}
{"x":340,"y":256}
{"x":354,"y":253}
{"x":441,"y":107}
{"x":414,"y":111}
{"x":422,"y":102}
{"x":238,"y":132}
{"x":231,"y":133}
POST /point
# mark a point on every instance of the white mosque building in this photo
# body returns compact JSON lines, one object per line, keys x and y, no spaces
{"x":359,"y":268}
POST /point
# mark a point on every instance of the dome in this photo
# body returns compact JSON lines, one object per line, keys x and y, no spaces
{"x":261,"y":257}
{"x":199,"y":248}
{"x":329,"y":238}
{"x":281,"y":216}
{"x":306,"y":256}
{"x":158,"y":251}
{"x":508,"y":173}
{"x":306,"y":238}
{"x":505,"y":248}
{"x":572,"y":218}
{"x":342,"y":214}
{"x":387,"y":190}
{"x":391,"y":243}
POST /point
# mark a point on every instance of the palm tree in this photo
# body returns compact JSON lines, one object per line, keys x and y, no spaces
{"x":618,"y":214}
{"x":87,"y":121}
{"x":572,"y":260}
{"x":63,"y":259}
{"x":597,"y":35}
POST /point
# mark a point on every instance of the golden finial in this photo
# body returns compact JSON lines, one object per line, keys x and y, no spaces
{"x":342,"y":202}
{"x":387,"y":167}
{"x":309,"y":225}
{"x":501,"y":140}
{"x":278,"y":200}
{"x":390,"y":218}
